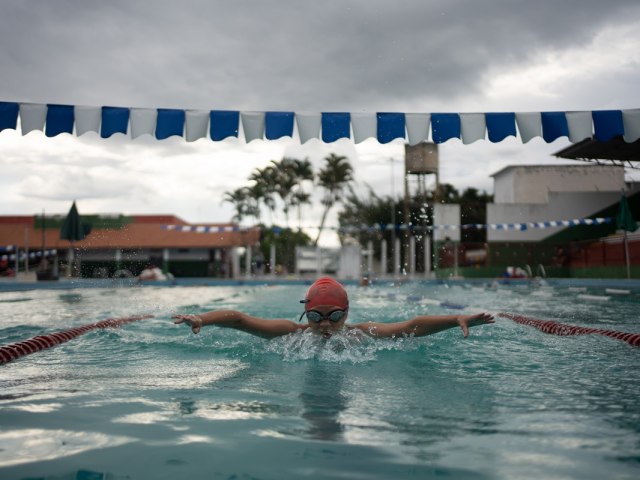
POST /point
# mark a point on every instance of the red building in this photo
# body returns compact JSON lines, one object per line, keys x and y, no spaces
{"x":124,"y":245}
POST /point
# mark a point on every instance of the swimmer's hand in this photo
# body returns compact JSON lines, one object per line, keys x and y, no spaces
{"x":194,"y":321}
{"x":466,"y":321}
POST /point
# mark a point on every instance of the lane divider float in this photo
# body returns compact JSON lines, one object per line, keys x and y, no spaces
{"x":42,"y":342}
{"x":597,"y":298}
{"x":617,"y":291}
{"x":556,"y":328}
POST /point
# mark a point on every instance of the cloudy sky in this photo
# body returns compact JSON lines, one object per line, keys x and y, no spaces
{"x":334,"y":55}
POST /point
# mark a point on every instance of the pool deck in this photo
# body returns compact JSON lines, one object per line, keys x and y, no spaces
{"x":70,"y":283}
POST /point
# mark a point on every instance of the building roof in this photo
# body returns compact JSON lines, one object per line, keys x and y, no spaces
{"x":145,"y":231}
{"x":614,"y":152}
{"x":548,"y":167}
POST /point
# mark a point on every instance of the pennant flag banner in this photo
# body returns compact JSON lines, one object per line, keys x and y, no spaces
{"x":381,"y":227}
{"x":206,"y":228}
{"x":162,"y":123}
{"x":493,"y":226}
{"x":32,"y":255}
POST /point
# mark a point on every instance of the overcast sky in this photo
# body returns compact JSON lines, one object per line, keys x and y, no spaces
{"x":293,"y":55}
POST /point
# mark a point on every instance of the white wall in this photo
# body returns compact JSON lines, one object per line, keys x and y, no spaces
{"x":561,"y":206}
{"x":307,"y":259}
{"x":446,"y":214}
{"x":533,"y":184}
{"x":350,"y":262}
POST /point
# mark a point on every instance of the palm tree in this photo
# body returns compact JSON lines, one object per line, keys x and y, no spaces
{"x":298,"y":199}
{"x":264,"y":187}
{"x":333,"y":178}
{"x":285,"y":181}
{"x":256,"y":195}
{"x":239,"y":198}
{"x":302,"y":171}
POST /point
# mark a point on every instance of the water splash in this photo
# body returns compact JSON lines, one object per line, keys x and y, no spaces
{"x":347,"y":346}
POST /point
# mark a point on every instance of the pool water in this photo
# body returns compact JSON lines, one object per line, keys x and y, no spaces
{"x":152,"y":400}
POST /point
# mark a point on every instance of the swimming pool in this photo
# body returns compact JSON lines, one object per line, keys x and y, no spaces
{"x":151,"y":400}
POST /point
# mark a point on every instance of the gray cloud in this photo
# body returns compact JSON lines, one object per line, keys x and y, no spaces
{"x":354,"y":55}
{"x":349,"y":55}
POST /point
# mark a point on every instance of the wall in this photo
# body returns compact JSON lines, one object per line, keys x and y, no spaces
{"x":532,"y":184}
{"x":446,"y":214}
{"x":561,"y":206}
{"x":350,"y":262}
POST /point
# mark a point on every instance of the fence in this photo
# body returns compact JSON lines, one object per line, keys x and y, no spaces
{"x":603,"y":257}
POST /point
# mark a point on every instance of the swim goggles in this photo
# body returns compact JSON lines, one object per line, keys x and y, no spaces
{"x":316,"y":317}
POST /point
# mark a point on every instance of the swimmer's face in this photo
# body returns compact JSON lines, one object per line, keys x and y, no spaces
{"x":326,"y":327}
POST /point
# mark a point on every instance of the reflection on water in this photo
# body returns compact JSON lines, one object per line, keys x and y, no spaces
{"x":36,"y":444}
{"x":38,"y":407}
{"x":323,"y":400}
{"x":238,"y":410}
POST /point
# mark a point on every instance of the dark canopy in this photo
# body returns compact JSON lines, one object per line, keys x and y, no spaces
{"x":612,"y":152}
{"x":73,"y":228}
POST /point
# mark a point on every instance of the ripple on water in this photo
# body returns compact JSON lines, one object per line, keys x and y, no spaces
{"x":498,"y":401}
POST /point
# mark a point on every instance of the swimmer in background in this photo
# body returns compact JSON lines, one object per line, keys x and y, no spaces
{"x":326,"y":307}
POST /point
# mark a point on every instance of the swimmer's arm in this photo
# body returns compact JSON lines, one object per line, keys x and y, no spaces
{"x":260,"y":327}
{"x":425,"y":325}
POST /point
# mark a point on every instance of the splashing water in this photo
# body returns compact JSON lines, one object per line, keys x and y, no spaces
{"x":345,"y":346}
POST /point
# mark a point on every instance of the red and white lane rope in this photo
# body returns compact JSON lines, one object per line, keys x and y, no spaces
{"x":556,"y":328}
{"x":42,"y":342}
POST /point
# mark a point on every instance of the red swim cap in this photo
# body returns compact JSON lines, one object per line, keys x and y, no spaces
{"x":326,"y":291}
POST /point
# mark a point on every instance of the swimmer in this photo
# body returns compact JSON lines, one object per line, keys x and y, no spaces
{"x":326,"y":307}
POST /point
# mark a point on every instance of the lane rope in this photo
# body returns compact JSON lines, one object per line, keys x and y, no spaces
{"x":14,"y":351}
{"x":562,"y":329}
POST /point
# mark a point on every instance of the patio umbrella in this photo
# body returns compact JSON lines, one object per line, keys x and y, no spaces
{"x":73,"y":229}
{"x":625,"y":222}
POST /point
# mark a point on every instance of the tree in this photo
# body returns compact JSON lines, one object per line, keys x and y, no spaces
{"x":333,"y":178}
{"x":286,"y":180}
{"x":263,"y":188}
{"x":241,"y":199}
{"x":302,"y":171}
{"x":282,"y":239}
{"x":360,"y":212}
{"x":290,"y":175}
{"x":473,"y":210}
{"x":447,"y":193}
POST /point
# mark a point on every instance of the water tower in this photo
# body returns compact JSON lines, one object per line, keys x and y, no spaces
{"x":419,"y":161}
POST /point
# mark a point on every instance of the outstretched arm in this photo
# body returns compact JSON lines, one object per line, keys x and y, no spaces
{"x":425,"y":325}
{"x":240,"y":321}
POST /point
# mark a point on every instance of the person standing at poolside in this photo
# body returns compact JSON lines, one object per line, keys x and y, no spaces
{"x":326,"y":306}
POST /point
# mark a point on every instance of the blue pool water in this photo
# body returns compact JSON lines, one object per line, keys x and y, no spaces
{"x":151,"y":400}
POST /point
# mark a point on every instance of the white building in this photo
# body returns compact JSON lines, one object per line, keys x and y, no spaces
{"x":539,"y":193}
